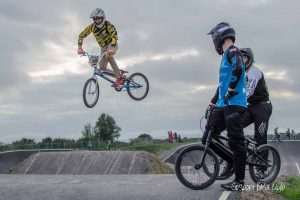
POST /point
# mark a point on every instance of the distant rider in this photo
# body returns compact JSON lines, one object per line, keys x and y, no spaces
{"x":288,"y":134}
{"x":277,"y":135}
{"x":294,"y":134}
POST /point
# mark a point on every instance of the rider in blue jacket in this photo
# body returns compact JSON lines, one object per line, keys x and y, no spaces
{"x":231,"y":100}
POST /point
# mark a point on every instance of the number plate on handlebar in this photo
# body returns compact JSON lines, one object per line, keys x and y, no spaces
{"x":93,"y":60}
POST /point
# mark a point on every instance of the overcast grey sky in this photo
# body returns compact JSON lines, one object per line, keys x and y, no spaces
{"x":42,"y":76}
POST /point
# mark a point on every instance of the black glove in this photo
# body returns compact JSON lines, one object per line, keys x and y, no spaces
{"x":209,"y":110}
{"x":228,"y":95}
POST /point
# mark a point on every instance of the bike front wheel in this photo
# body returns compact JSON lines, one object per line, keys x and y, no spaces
{"x":265,"y":165}
{"x":137,"y":86}
{"x":189,"y":171}
{"x":90,"y":92}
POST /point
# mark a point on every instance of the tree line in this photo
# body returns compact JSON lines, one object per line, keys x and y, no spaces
{"x":105,"y":130}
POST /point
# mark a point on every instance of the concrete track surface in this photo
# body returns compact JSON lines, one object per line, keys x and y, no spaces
{"x":100,"y":187}
{"x":125,"y":186}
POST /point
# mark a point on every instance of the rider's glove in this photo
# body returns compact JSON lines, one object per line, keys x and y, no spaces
{"x":80,"y":51}
{"x":208,"y":110}
{"x":110,"y":52}
{"x":230,"y":93}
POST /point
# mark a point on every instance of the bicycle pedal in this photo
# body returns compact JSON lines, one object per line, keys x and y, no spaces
{"x":119,"y":87}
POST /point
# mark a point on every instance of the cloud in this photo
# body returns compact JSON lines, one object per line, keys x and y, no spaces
{"x":246,"y":2}
{"x":141,"y":58}
{"x":41,"y":76}
{"x":71,"y":65}
{"x":277,"y":75}
{"x":282,"y":94}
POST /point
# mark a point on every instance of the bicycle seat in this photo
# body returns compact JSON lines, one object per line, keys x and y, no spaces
{"x":250,"y":140}
{"x":123,"y":71}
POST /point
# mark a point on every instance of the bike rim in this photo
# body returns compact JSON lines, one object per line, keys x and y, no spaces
{"x":191,"y":170}
{"x":270,"y":172}
{"x":137,"y":86}
{"x":91,"y":92}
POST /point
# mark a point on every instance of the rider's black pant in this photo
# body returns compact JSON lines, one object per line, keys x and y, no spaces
{"x":231,"y":118}
{"x":259,"y":114}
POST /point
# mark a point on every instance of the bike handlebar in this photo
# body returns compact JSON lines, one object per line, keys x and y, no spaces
{"x":87,"y":54}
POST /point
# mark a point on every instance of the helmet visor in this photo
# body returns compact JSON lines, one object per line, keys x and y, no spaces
{"x":98,"y":18}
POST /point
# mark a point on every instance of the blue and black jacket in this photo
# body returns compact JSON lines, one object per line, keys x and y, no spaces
{"x":231,"y":75}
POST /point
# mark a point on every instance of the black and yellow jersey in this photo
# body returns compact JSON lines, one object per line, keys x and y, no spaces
{"x":105,"y":35}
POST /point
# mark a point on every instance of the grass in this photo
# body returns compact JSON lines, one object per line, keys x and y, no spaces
{"x":158,"y":167}
{"x":156,"y":149}
{"x":292,"y":188}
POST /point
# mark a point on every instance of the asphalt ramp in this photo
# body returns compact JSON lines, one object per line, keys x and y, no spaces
{"x":86,"y":162}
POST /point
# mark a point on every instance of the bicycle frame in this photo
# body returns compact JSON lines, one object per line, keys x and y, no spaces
{"x":104,"y":75}
{"x":216,"y":141}
{"x":131,"y":84}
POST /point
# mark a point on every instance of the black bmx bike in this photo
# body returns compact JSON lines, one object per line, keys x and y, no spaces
{"x":198,"y":166}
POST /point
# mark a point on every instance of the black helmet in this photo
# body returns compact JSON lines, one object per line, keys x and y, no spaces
{"x":221,"y":32}
{"x":249,"y":54}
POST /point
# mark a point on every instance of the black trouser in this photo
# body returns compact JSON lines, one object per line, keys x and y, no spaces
{"x":231,"y":118}
{"x":259,"y":114}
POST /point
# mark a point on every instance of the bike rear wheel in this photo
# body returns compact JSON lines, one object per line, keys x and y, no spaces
{"x":265,"y":174}
{"x":137,"y":86}
{"x":90,"y":92}
{"x":188,"y":169}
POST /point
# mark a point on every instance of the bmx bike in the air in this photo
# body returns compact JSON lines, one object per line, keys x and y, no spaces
{"x":136,"y":85}
{"x":198,"y":166}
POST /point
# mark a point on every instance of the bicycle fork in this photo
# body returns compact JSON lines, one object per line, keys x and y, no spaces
{"x":208,"y":140}
{"x":90,"y":86}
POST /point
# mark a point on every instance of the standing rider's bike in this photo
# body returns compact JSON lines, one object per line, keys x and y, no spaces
{"x":197,"y":166}
{"x":136,"y":85}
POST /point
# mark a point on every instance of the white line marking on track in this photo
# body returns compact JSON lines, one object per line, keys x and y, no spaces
{"x":224,"y":195}
{"x":36,"y":155}
{"x":133,"y":159}
{"x":298,"y":168}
